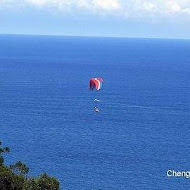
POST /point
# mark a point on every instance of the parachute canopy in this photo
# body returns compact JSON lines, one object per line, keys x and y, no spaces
{"x":95,"y":83}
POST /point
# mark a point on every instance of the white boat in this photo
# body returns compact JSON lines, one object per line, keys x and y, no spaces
{"x":96,"y":109}
{"x":96,"y":100}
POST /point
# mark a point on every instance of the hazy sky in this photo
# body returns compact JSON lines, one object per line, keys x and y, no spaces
{"x":120,"y":18}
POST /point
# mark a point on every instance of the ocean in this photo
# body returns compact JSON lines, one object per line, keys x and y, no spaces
{"x":141,"y":132}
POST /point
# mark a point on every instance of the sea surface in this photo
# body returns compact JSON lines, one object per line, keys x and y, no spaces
{"x":142,"y":130}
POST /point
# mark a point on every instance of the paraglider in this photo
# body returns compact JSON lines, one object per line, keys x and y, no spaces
{"x":95,"y":83}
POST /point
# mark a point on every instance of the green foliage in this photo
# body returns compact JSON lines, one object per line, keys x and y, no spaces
{"x":19,"y":168}
{"x":3,"y":150}
{"x":43,"y":182}
{"x":10,"y":181}
{"x":14,"y":177}
{"x":47,"y":182}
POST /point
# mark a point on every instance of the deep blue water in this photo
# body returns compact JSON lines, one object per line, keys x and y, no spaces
{"x":47,"y":118}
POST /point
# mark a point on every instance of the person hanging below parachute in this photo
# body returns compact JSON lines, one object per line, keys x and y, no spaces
{"x":95,"y":83}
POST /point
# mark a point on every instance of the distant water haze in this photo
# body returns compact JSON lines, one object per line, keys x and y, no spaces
{"x":142,"y":130}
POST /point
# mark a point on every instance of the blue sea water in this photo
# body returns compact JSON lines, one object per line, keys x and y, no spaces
{"x":143,"y":130}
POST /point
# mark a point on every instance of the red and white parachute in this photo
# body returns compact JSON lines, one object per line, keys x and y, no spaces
{"x":95,"y":83}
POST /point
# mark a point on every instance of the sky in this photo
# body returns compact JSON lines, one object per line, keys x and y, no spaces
{"x":111,"y":18}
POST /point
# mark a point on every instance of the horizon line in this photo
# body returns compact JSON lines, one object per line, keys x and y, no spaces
{"x":94,"y":36}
